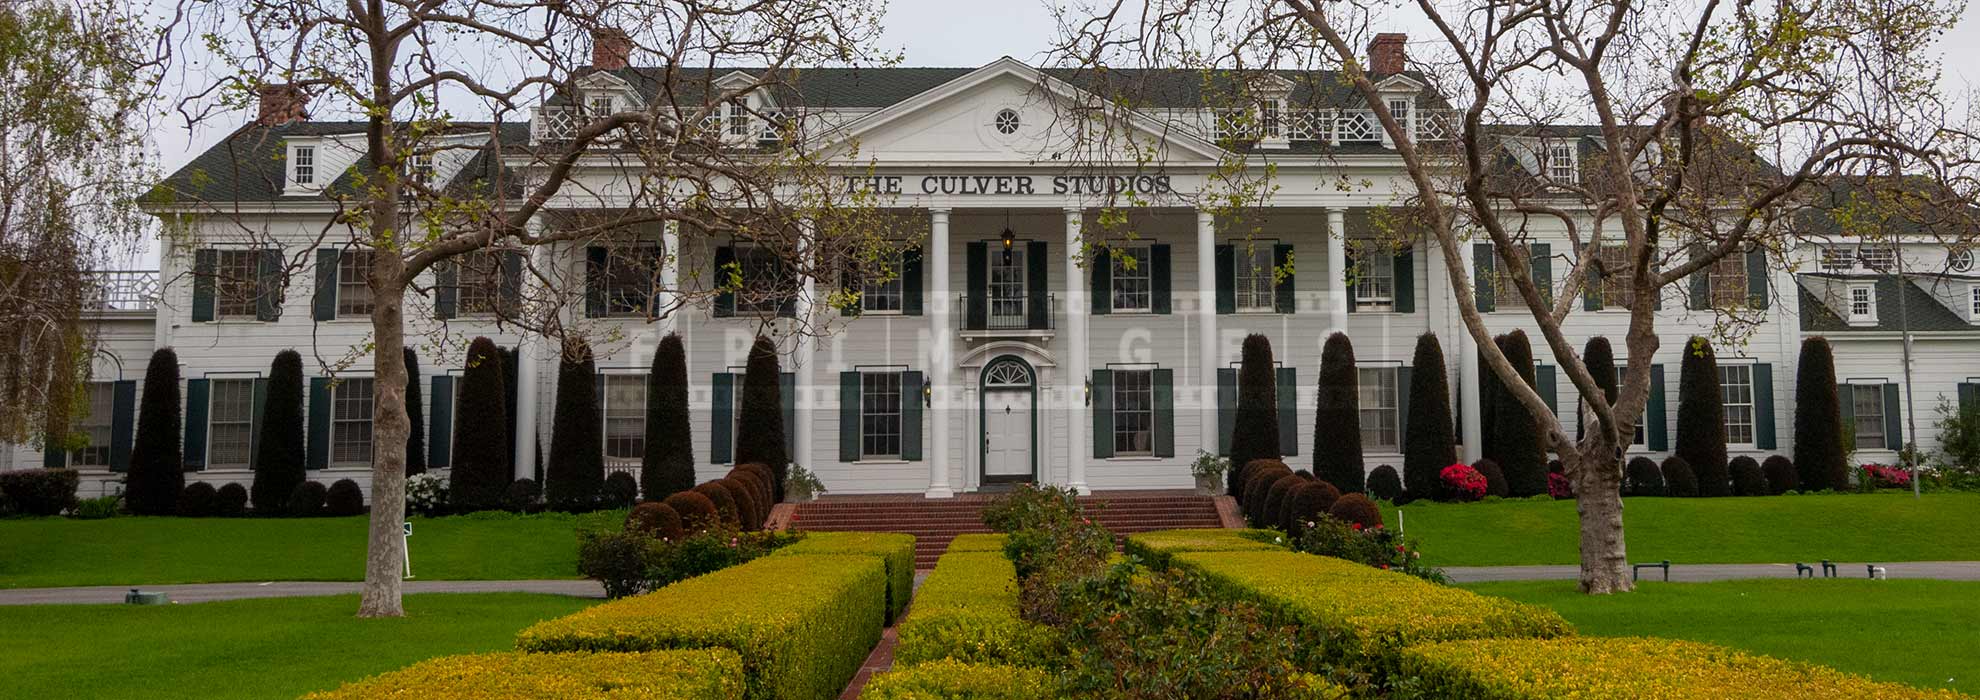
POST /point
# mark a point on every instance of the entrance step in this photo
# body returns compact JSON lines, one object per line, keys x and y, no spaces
{"x":935,"y":522}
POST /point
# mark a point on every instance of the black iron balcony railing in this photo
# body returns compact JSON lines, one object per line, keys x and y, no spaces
{"x":1034,"y":311}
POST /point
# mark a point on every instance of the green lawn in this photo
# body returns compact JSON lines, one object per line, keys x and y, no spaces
{"x":1925,"y":633}
{"x":130,"y":550}
{"x":267,"y":649}
{"x":1846,"y":527}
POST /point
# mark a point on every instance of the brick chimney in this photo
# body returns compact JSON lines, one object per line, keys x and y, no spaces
{"x":1388,"y":54}
{"x":610,"y":48}
{"x":281,"y":104}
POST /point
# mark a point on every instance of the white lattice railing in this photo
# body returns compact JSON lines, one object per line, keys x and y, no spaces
{"x":1334,"y":126}
{"x":559,"y":124}
{"x":122,"y":290}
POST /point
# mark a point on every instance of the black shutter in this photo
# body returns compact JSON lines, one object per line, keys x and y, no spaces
{"x":1544,"y":381}
{"x":1226,"y":279}
{"x":725,"y":302}
{"x":852,"y":289}
{"x":205,"y":264}
{"x":323,"y":306}
{"x":1282,"y":293}
{"x":259,"y":400}
{"x":976,"y":278}
{"x":1158,"y":276}
{"x":197,"y":392}
{"x":911,"y":281}
{"x":446,"y":288}
{"x":1969,"y":397}
{"x":850,"y":428}
{"x":911,"y":416}
{"x":512,"y":270}
{"x":1656,"y":430}
{"x":1288,"y":396}
{"x":1402,"y":405}
{"x":268,"y":285}
{"x":439,"y":435}
{"x":53,"y":456}
{"x":1226,"y":408}
{"x":1591,"y":284}
{"x":319,"y":423}
{"x":787,"y":303}
{"x":1701,"y":288}
{"x":1763,"y":406}
{"x":1103,"y":413}
{"x":1348,"y":276}
{"x":787,"y":390}
{"x":1756,"y":277}
{"x":1541,"y":269}
{"x":1165,"y":413}
{"x":123,"y":421}
{"x":1404,"y":276}
{"x":721,"y":421}
{"x":596,"y":258}
{"x":1484,"y":271}
{"x":1100,"y":276}
{"x":1893,"y":419}
{"x":1037,"y":283}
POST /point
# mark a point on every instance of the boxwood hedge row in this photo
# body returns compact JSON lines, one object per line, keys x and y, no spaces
{"x":968,"y":610}
{"x":680,"y":674}
{"x":1156,"y":548}
{"x":895,"y":550}
{"x":955,"y":680}
{"x":1627,"y":667}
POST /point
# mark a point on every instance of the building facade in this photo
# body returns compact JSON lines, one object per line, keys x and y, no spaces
{"x":1001,"y":352}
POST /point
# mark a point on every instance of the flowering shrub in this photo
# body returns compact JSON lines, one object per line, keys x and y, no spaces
{"x":1558,"y":486}
{"x":629,"y":563}
{"x":426,"y":493}
{"x":1462,"y":483}
{"x":1879,"y":476}
{"x":1376,"y":546}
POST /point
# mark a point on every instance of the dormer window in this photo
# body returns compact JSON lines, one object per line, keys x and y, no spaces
{"x":302,"y":165}
{"x":1973,"y":303}
{"x":1399,"y":107}
{"x":1561,"y":163}
{"x":601,"y":105}
{"x":419,"y":167}
{"x":1269,"y":123}
{"x":1862,"y":305}
{"x":738,"y":119}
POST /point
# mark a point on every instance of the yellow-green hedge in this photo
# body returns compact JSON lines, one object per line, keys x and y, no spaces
{"x":682,"y":674}
{"x":1627,"y":668}
{"x":1157,"y":547}
{"x":897,"y":550}
{"x":949,"y":679}
{"x":968,"y":610}
{"x":978,"y":542}
{"x":802,"y":623}
{"x":1363,"y":615}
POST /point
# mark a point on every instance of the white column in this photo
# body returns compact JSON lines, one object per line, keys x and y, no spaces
{"x":1337,"y":294}
{"x":1206,"y":325}
{"x":807,"y":343}
{"x":670,"y":274}
{"x":1076,"y":356}
{"x":1468,"y":369}
{"x":941,"y":364}
{"x":166,"y":312}
{"x":530,"y":352}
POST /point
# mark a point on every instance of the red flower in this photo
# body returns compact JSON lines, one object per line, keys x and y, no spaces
{"x":1356,"y":526}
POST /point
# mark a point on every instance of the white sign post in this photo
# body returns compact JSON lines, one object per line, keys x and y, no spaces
{"x":408,"y":550}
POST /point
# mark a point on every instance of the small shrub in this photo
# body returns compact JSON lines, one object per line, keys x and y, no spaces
{"x":801,"y":484}
{"x":1310,"y":502}
{"x":1781,"y":475}
{"x":40,"y":491}
{"x":725,"y":503}
{"x":98,"y":508}
{"x":1558,"y":486}
{"x":1384,"y":483}
{"x":1643,"y":478}
{"x":1268,"y":515}
{"x":617,"y":560}
{"x":523,"y":496}
{"x":1747,"y":479}
{"x":427,"y":494}
{"x":1377,"y":546}
{"x":1460,"y":483}
{"x":697,"y":512}
{"x":344,"y":499}
{"x":1679,"y":480}
{"x":1356,"y":509}
{"x":1495,"y":478}
{"x":1878,"y":476}
{"x":655,"y":519}
{"x":197,"y":500}
{"x":231,"y":501}
{"x":620,"y":490}
{"x":306,"y":501}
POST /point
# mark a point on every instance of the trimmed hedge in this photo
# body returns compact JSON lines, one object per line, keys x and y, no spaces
{"x":1356,"y":509}
{"x":1781,"y":475}
{"x":198,"y":500}
{"x":696,"y":511}
{"x":949,"y":679}
{"x":620,"y":490}
{"x":1747,"y":479}
{"x":1158,"y":546}
{"x":344,"y":498}
{"x":802,"y":624}
{"x":967,"y":610}
{"x":684,"y":674}
{"x":1627,"y":667}
{"x":895,"y":550}
{"x":40,"y":491}
{"x":307,"y":500}
{"x":1307,"y":503}
{"x":230,"y":501}
{"x":1643,"y":478}
{"x":1361,"y":615}
{"x":1385,"y":483}
{"x":1679,"y":480}
{"x":1495,"y":478}
{"x":657,"y":519}
{"x":978,"y":542}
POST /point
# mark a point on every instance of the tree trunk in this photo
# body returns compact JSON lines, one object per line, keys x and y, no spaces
{"x":386,"y":553}
{"x":1598,"y":501}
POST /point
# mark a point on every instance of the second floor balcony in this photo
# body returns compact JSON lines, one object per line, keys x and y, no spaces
{"x":1015,"y":313}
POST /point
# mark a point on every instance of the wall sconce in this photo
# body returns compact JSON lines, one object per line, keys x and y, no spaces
{"x":1009,"y":240}
{"x":927,"y":394}
{"x":1086,"y":396}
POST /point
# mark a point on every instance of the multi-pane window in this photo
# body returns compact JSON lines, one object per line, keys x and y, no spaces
{"x":1504,"y":292}
{"x":1009,"y":282}
{"x":1269,"y":121}
{"x":1736,"y":390}
{"x":235,"y":285}
{"x":882,"y":292}
{"x":1134,"y":412}
{"x":1973,"y":301}
{"x":1399,"y":108}
{"x":629,"y":279}
{"x":480,"y":281}
{"x":1877,"y":257}
{"x":230,"y":423}
{"x":762,"y":284}
{"x":738,"y":119}
{"x":302,"y":164}
{"x":354,"y":283}
{"x":1133,"y":288}
{"x":1862,"y":304}
{"x":880,"y":415}
{"x":1726,"y":278}
{"x":1561,"y":163}
{"x":1253,"y":276}
{"x":1837,"y":259}
{"x":625,"y":416}
{"x":1642,"y":419}
{"x":1867,"y":403}
{"x":96,"y":425}
{"x":1379,"y":394}
{"x":419,"y":166}
{"x":1374,"y":280}
{"x":1616,"y":290}
{"x":350,"y":422}
{"x":601,"y":105}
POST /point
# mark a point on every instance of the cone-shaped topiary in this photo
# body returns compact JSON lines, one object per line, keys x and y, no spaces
{"x":1679,"y":479}
{"x":198,"y":500}
{"x":576,"y":472}
{"x":668,"y":463}
{"x":279,"y":454}
{"x":1337,"y":417}
{"x":1488,"y":403}
{"x":1747,"y":479}
{"x":1495,"y":478}
{"x":1601,"y":363}
{"x":1268,"y":515}
{"x":1356,"y":509}
{"x":157,"y":473}
{"x":415,"y":412}
{"x":1428,"y":444}
{"x":1701,"y":423}
{"x":748,"y":509}
{"x":1255,"y":429}
{"x":760,"y":419}
{"x":696,"y":511}
{"x":1309,"y":503}
{"x":620,"y":491}
{"x":725,"y":503}
{"x":522,"y":496}
{"x":343,"y":498}
{"x":1522,"y":456}
{"x":482,"y":446}
{"x":511,"y":363}
{"x":1643,"y":478}
{"x":1818,"y":429}
{"x":1385,"y":484}
{"x":1258,"y":486}
{"x":307,"y":500}
{"x":655,"y":518}
{"x":1781,"y":475}
{"x":231,"y":501}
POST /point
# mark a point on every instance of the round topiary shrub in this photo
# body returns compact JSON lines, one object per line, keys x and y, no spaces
{"x":1460,"y":483}
{"x":306,"y":500}
{"x":748,"y":510}
{"x":522,"y":496}
{"x":1384,"y":483}
{"x":1781,"y":475}
{"x":344,"y":499}
{"x":1258,"y":487}
{"x":696,"y":511}
{"x":1356,"y":509}
{"x":1558,"y":486}
{"x":198,"y":500}
{"x":620,"y":490}
{"x":1679,"y":480}
{"x":1275,"y":501}
{"x":1643,"y":478}
{"x":656,"y":519}
{"x":1495,"y":478}
{"x":1252,"y":469}
{"x":1747,"y":479}
{"x":1308,"y":503}
{"x":231,"y":501}
{"x":765,"y":475}
{"x":725,"y":502}
{"x":759,"y":490}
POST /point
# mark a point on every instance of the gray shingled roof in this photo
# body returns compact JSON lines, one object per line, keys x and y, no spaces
{"x":1926,"y":313}
{"x":247,"y":165}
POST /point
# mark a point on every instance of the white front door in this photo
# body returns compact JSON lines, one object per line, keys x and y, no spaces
{"x":1007,"y":435}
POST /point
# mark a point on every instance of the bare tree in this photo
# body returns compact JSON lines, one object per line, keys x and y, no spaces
{"x":694,"y":148}
{"x":1714,"y":126}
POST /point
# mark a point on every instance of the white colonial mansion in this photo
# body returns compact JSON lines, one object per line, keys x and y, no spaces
{"x":998,"y":354}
